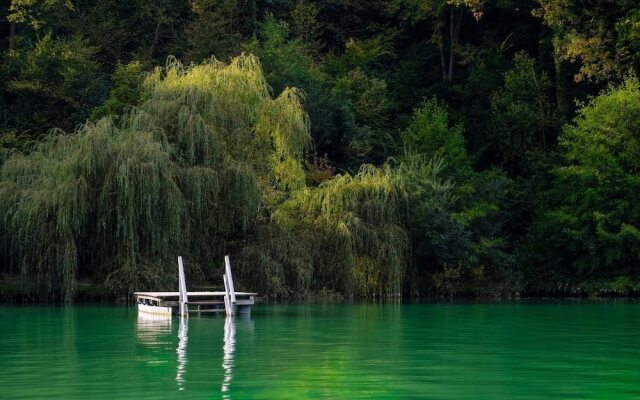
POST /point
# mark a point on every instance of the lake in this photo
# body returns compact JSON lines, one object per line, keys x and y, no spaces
{"x":512,"y":350}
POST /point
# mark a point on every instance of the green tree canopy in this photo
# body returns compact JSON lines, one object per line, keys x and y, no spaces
{"x":54,"y":84}
{"x":595,"y":218}
{"x":178,"y":175}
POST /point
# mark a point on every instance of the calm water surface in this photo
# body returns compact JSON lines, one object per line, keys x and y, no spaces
{"x":561,"y":350}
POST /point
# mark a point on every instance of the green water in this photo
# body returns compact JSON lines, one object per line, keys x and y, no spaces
{"x":562,"y":350}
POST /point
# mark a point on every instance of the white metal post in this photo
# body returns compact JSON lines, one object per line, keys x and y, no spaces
{"x":227,"y":266}
{"x":182,"y":289}
{"x":228,"y":306}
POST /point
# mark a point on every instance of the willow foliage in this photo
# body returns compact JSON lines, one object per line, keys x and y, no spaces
{"x":180,"y":174}
{"x":350,"y":233}
{"x":361,"y":218}
{"x":347,"y":235}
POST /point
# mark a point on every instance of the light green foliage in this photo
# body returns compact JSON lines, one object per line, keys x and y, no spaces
{"x":603,"y":149}
{"x":176,"y":176}
{"x":235,"y":101}
{"x":604,"y":139}
{"x":358,"y":222}
{"x":592,"y":227}
{"x":432,"y":134}
{"x":367,"y":234}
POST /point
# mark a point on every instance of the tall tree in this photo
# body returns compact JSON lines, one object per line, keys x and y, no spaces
{"x":218,"y":27}
{"x":523,"y":117}
{"x":53,"y":15}
{"x":187,"y":169}
{"x":135,"y":30}
{"x":592,"y":228}
{"x":446,"y":19}
{"x":597,"y":34}
{"x":53,"y":84}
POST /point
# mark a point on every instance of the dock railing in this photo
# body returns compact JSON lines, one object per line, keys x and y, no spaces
{"x":183,"y":302}
{"x":182,"y":289}
{"x":230,"y":293}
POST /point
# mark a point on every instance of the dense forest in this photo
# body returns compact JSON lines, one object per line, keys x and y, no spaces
{"x":359,"y":148}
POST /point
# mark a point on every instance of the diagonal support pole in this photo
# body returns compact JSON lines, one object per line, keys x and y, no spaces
{"x":228,"y":305}
{"x":182,"y":289}
{"x":227,"y":267}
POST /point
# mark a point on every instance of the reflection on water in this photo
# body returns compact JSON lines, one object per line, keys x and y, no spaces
{"x":182,"y":352}
{"x":155,"y":332}
{"x":571,"y":350}
{"x":152,"y":329}
{"x":228,"y":349}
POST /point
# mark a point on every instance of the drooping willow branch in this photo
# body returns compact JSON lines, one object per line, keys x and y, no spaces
{"x":185,"y":169}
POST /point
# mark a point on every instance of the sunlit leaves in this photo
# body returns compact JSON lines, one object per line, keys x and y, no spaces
{"x":177,"y":175}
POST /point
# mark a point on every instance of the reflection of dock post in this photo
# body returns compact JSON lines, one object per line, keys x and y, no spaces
{"x":182,"y":352}
{"x":182,"y":289}
{"x":228,"y":348}
{"x":228,"y":305}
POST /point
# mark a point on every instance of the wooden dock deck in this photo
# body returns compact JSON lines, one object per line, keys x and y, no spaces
{"x":198,"y":302}
{"x":183,"y":302}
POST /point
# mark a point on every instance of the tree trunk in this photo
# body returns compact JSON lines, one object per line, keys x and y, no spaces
{"x":12,"y":35}
{"x":444,"y":67}
{"x":540,"y":98}
{"x":451,"y":45}
{"x":253,"y":16}
{"x":561,"y":88}
{"x":455,"y":24}
{"x":156,"y":37}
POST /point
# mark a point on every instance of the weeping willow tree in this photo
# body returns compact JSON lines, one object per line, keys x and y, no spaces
{"x":348,"y":235}
{"x":352,"y":234}
{"x":360,"y":218}
{"x":181,"y":174}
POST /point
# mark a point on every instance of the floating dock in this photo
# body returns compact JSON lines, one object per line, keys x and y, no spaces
{"x":198,"y":302}
{"x":183,"y":302}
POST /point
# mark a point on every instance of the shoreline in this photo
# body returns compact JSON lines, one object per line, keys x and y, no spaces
{"x":16,"y":296}
{"x":12,"y":291}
